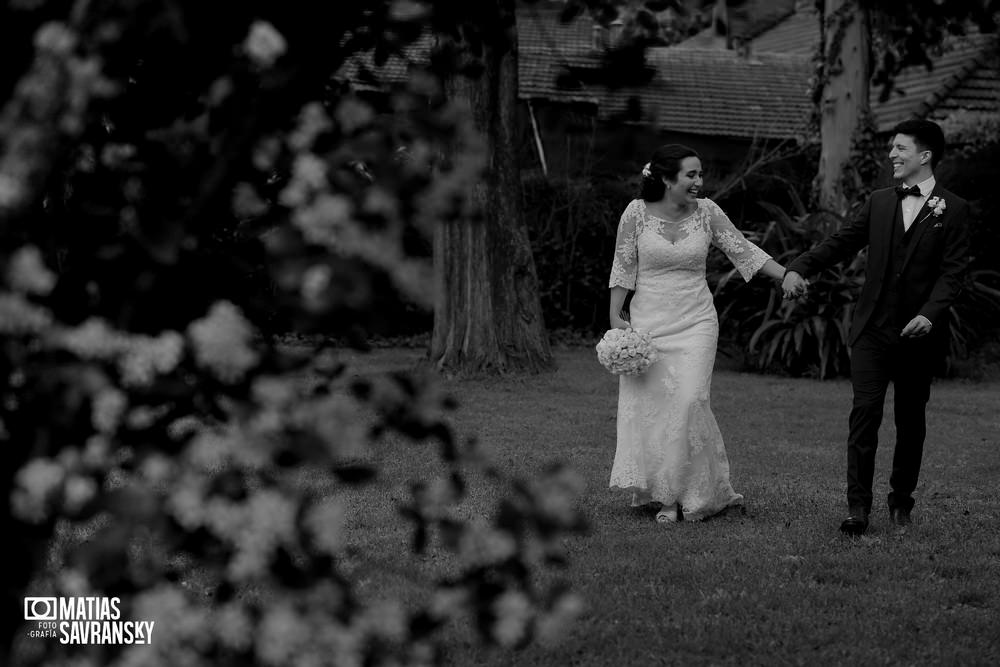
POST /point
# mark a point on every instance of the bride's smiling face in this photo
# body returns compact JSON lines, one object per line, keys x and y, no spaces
{"x":689,"y":181}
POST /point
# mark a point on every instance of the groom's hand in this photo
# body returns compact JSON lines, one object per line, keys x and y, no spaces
{"x":793,"y":286}
{"x":918,"y":326}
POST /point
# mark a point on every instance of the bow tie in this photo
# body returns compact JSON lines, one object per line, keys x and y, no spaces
{"x":912,"y":191}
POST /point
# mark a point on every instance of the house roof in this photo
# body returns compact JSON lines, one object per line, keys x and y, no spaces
{"x":979,"y":91}
{"x":715,"y":91}
{"x":961,"y":69}
{"x":540,"y":29}
{"x":700,"y":91}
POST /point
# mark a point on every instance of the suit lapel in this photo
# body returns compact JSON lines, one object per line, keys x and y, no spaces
{"x":925,"y":210}
{"x":885,"y":214}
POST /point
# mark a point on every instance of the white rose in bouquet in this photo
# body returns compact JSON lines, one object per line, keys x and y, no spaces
{"x":626,"y":351}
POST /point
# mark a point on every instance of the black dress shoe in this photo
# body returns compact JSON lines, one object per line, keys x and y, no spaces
{"x":856,"y":523}
{"x":900,"y":517}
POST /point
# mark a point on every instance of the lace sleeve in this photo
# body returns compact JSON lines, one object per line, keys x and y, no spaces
{"x":745,"y":256}
{"x":626,"y":262}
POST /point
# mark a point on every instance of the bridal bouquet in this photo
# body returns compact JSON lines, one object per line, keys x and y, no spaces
{"x":626,"y":351}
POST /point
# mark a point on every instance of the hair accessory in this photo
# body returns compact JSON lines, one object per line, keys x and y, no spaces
{"x":646,"y":172}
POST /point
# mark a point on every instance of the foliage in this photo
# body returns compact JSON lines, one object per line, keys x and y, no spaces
{"x":572,"y":227}
{"x":806,"y":337}
{"x":975,"y":317}
{"x":156,"y":446}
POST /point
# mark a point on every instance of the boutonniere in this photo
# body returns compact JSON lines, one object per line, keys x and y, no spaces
{"x":938,"y":205}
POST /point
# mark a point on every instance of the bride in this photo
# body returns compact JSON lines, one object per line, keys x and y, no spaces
{"x":670,"y":450}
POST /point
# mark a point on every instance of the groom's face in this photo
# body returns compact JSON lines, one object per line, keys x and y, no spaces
{"x":907,"y":157}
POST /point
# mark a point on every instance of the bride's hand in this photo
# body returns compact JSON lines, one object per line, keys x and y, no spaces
{"x":618,"y":322}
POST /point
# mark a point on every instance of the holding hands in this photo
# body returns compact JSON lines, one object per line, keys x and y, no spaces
{"x":793,"y":285}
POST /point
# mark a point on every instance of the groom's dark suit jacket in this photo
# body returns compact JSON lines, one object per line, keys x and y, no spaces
{"x":918,"y":272}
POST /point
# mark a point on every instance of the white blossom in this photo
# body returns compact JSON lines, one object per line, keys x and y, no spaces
{"x":268,"y":521}
{"x":266,"y":152}
{"x":247,"y":203}
{"x":513,"y":612}
{"x":315,"y":284}
{"x":145,"y":357}
{"x":222,"y":342}
{"x":273,"y":390}
{"x":114,"y":155}
{"x":325,"y":521}
{"x":279,"y":636}
{"x":186,"y":503}
{"x":157,"y":469}
{"x":34,"y":486}
{"x":73,"y":582}
{"x":264,"y":45}
{"x":11,"y":191}
{"x":56,"y":38}
{"x":482,"y":545}
{"x":184,"y":426}
{"x":210,"y":450}
{"x":77,"y":492}
{"x":94,"y":339}
{"x":27,"y":272}
{"x":448,"y":602}
{"x":408,"y":10}
{"x":107,"y":408}
{"x":234,"y":627}
{"x":18,"y":316}
{"x":309,"y":170}
{"x":313,"y":121}
{"x":336,"y":421}
{"x":386,"y":620}
{"x":353,"y":114}
{"x":325,"y":220}
{"x":96,"y":451}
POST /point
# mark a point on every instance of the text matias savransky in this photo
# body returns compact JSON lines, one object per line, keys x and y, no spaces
{"x":84,"y":620}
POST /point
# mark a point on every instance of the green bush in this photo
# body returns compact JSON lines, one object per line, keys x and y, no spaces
{"x":572,"y":226}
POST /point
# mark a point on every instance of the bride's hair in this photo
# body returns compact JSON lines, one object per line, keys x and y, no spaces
{"x":665,"y":162}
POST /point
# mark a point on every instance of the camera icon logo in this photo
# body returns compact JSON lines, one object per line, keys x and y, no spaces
{"x":40,"y":609}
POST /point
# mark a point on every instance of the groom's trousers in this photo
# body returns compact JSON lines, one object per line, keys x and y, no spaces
{"x":878,"y":357}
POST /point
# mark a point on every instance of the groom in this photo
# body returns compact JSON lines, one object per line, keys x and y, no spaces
{"x":917,"y":254}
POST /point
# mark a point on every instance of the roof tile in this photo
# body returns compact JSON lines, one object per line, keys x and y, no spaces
{"x":714,"y":91}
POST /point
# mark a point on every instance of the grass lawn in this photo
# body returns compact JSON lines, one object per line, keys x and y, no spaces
{"x":776,"y":586}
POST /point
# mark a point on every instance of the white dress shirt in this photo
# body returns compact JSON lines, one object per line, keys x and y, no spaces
{"x":912,"y":205}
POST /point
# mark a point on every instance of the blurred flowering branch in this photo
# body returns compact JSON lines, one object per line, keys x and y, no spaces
{"x":159,"y":446}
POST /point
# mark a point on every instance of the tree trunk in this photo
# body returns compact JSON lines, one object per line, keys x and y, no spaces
{"x":844,"y":99}
{"x":487,"y":312}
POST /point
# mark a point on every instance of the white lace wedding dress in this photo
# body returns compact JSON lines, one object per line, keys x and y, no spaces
{"x":670,"y":449}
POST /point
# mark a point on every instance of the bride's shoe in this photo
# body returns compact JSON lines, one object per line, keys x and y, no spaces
{"x":667,"y":515}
